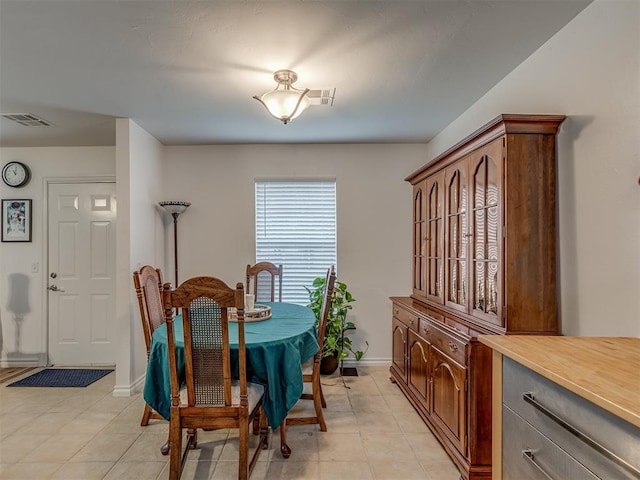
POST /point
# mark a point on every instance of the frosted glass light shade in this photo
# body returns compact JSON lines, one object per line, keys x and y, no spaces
{"x":285,"y":102}
{"x":282,"y":103}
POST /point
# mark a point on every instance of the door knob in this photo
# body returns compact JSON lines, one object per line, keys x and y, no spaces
{"x":54,"y":288}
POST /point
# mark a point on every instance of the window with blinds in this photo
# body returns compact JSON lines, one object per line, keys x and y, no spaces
{"x":296,"y":227}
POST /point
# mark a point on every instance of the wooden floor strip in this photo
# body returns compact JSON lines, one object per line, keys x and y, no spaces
{"x":10,"y":373}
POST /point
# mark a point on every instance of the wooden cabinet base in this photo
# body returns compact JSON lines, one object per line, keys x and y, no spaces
{"x":446,"y":375}
{"x":468,"y":471}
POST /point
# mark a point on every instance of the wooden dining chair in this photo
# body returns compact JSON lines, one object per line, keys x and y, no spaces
{"x":209,"y":398}
{"x":265,"y":275}
{"x":311,"y":373}
{"x":148,"y":284}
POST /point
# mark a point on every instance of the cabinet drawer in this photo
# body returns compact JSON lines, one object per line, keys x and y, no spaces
{"x":457,"y":326}
{"x":528,"y":454}
{"x":442,"y":340}
{"x":409,"y":319}
{"x":434,"y":315}
{"x":575,"y":424}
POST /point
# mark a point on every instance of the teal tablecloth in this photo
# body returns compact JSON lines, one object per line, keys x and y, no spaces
{"x":276,"y":348}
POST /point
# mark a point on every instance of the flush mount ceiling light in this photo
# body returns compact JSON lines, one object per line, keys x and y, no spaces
{"x":285,"y":102}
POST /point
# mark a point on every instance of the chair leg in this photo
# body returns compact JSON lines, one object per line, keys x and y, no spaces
{"x":264,"y":429}
{"x":149,"y":414}
{"x":324,"y":403}
{"x":175,"y":436}
{"x":284,"y":448}
{"x":317,"y":403}
{"x":192,"y":438}
{"x":243,"y":450}
{"x":146,"y":415}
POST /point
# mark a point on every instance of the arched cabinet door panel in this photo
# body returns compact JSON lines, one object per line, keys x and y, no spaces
{"x":399,"y":336}
{"x":448,"y":403}
{"x":418,"y":353}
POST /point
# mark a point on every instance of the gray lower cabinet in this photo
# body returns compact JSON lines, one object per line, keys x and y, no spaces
{"x":549,"y":432}
{"x":528,"y":454}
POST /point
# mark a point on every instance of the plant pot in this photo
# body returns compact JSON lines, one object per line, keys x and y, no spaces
{"x":329,"y":364}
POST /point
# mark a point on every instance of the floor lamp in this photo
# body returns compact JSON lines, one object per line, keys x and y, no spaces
{"x":175,"y":209}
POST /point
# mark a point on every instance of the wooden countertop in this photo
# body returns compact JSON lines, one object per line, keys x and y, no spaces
{"x":603,"y":370}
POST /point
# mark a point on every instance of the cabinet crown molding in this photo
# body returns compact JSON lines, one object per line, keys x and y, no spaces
{"x":506,"y":123}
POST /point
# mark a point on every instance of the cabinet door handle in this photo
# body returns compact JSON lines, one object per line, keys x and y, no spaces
{"x":530,"y":398}
{"x":528,"y":454}
{"x":453,"y":347}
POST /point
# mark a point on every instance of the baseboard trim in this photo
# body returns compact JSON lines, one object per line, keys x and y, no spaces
{"x":368,"y":362}
{"x":23,"y":360}
{"x":129,"y":390}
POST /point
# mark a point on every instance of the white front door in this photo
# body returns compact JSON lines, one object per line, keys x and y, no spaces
{"x":81,"y":273}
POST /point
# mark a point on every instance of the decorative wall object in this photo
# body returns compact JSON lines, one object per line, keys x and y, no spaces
{"x":16,"y":220}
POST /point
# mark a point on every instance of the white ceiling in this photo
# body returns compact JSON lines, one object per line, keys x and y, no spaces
{"x":186,"y":71}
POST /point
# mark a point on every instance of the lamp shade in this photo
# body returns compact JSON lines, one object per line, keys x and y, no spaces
{"x":285,"y":102}
{"x":285,"y":105}
{"x":174,"y":206}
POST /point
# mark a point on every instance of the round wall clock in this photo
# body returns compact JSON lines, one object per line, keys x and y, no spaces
{"x":16,"y":174}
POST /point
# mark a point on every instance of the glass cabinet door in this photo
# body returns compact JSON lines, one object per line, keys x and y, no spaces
{"x":435,"y":237}
{"x":457,"y":245}
{"x":486,"y":188}
{"x":419,"y":239}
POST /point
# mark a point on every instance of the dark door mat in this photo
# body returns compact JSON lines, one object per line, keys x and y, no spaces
{"x":62,"y":377}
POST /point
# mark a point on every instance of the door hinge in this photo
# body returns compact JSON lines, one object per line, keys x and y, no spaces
{"x":466,"y":384}
{"x":504,"y":312}
{"x":504,"y":231}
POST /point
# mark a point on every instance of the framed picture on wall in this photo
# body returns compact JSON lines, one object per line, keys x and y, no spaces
{"x":16,"y":220}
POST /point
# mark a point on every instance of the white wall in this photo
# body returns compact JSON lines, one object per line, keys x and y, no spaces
{"x":217,"y":237}
{"x":146,"y":230}
{"x":589,"y":71}
{"x":140,"y":241}
{"x":18,"y":258}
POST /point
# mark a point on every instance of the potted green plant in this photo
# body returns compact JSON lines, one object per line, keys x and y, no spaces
{"x":337,"y":344}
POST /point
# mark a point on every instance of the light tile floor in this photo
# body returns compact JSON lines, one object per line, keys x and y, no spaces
{"x":86,"y":433}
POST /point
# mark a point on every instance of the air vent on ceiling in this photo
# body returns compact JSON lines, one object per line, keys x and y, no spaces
{"x":28,"y":119}
{"x":321,"y":97}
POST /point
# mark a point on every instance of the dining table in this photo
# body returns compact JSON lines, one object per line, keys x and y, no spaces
{"x":276,"y":348}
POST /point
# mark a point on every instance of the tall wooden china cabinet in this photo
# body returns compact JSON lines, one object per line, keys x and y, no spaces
{"x":484,"y":262}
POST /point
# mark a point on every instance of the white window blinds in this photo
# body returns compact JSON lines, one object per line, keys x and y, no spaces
{"x":296,"y":227}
